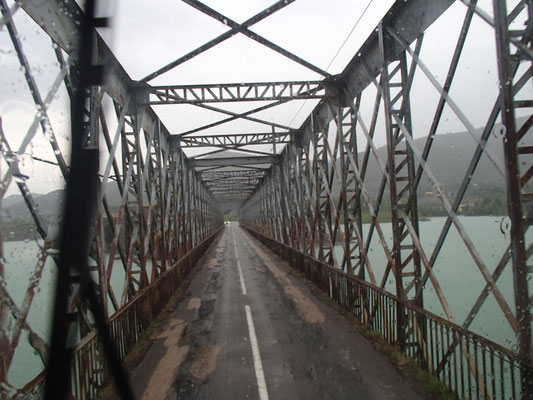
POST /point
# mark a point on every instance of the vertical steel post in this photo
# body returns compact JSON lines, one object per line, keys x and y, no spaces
{"x":395,"y":86}
{"x":344,"y":187}
{"x":396,"y":229}
{"x":304,"y":243}
{"x":518,"y":193}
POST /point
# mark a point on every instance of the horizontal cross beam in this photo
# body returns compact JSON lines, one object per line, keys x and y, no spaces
{"x":230,"y":206}
{"x":211,"y":177}
{"x":231,"y":199}
{"x":235,"y":182}
{"x":231,"y":174}
{"x":232,"y":189}
{"x":231,"y":161}
{"x":219,"y":39}
{"x":233,"y":193}
{"x":234,"y":140}
{"x":231,"y":92}
{"x":254,"y":36}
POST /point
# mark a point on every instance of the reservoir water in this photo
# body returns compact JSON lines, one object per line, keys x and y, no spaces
{"x":455,"y":270}
{"x":20,"y":259}
{"x":457,"y":273}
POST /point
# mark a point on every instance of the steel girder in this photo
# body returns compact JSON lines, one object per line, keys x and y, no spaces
{"x":317,"y":155}
{"x":232,"y":161}
{"x":234,"y":141}
{"x":394,"y":90}
{"x":232,"y":182}
{"x":164,"y":211}
{"x":295,"y":203}
{"x":243,"y":29}
{"x":217,"y":175}
{"x":231,"y":187}
{"x":200,"y":95}
{"x":235,"y":29}
{"x":515,"y":50}
{"x":222,"y":93}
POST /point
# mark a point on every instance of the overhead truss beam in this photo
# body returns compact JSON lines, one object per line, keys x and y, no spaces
{"x":231,"y":188}
{"x":232,"y":198}
{"x":235,"y":140}
{"x":231,"y":92}
{"x":233,"y":182}
{"x":232,"y":161}
{"x":209,"y":177}
{"x":254,"y":36}
{"x":232,"y":191}
{"x":219,"y":39}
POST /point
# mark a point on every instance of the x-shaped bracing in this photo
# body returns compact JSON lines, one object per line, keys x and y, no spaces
{"x":236,"y":28}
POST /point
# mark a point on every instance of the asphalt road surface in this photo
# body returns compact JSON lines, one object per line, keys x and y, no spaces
{"x":248,"y":329}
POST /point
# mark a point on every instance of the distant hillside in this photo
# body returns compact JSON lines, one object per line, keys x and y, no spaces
{"x":448,"y":161}
{"x":50,"y":204}
{"x":14,"y":207}
{"x":449,"y":158}
{"x":14,"y":199}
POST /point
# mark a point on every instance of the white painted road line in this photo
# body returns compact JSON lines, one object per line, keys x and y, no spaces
{"x":258,"y":365}
{"x":241,"y":276}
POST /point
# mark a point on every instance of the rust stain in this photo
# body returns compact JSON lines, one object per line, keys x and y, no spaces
{"x":306,"y":308}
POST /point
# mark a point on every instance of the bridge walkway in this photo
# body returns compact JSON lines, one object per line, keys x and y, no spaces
{"x":248,"y":329}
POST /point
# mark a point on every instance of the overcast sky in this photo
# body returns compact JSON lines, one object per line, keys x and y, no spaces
{"x":147,"y":35}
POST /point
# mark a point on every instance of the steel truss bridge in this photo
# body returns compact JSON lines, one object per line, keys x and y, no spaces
{"x":304,"y":191}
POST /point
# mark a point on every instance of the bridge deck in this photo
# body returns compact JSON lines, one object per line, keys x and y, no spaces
{"x":207,"y":347}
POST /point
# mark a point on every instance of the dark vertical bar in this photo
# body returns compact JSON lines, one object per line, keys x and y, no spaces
{"x":381,"y":314}
{"x":446,"y":370}
{"x":285,"y":218}
{"x":455,"y":366}
{"x":492,"y":373}
{"x":79,"y":203}
{"x":461,"y":358}
{"x":513,"y":384}
{"x":468,"y":372}
{"x":514,"y":197}
{"x":502,"y":377}
{"x":484,"y":361}
{"x":390,"y":334}
{"x":396,"y":231}
{"x":476,"y":373}
{"x":440,"y":349}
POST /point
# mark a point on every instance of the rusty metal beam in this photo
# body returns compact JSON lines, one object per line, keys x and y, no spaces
{"x":234,"y":140}
{"x":156,"y":184}
{"x":219,"y":39}
{"x":412,"y":18}
{"x":254,"y":36}
{"x":210,"y":176}
{"x":295,"y":205}
{"x":230,"y":92}
{"x":231,"y":161}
